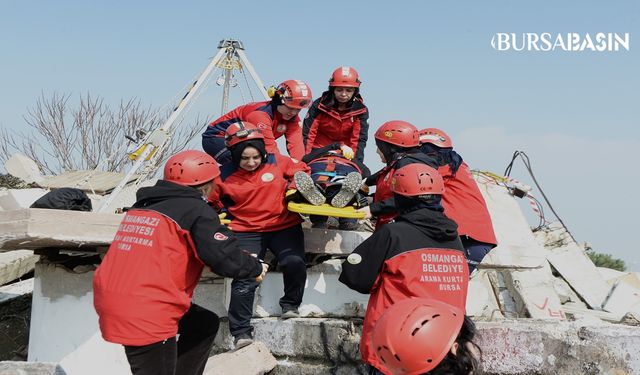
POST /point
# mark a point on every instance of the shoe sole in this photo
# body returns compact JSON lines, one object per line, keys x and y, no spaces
{"x":350,"y":186}
{"x":308,"y":189}
{"x":289,"y":316}
{"x":242,"y":343}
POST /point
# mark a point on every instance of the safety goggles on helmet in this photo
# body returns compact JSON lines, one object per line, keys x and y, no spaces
{"x":294,"y":94}
{"x":241,"y":131}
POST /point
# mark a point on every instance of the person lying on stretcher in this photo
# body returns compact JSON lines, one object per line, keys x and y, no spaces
{"x":335,"y":180}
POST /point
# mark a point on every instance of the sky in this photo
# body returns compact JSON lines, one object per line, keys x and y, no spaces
{"x":575,"y":114}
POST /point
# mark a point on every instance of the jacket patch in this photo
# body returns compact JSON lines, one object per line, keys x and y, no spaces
{"x":220,"y":237}
{"x":267,"y":177}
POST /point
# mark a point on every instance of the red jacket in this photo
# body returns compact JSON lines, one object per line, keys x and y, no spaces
{"x":255,"y":200}
{"x":325,"y":125}
{"x":269,"y":120}
{"x":464,"y":204}
{"x":145,"y":283}
{"x":418,"y":255}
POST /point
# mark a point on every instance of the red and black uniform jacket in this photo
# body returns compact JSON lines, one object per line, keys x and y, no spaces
{"x":255,"y":200}
{"x":418,"y":255}
{"x":325,"y":125}
{"x":463,"y":202}
{"x":266,"y":117}
{"x":146,"y":280}
{"x":383,"y":206}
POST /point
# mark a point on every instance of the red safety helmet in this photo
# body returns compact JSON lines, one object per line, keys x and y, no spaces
{"x":414,"y":335}
{"x":436,"y":137}
{"x":241,"y":131}
{"x":295,"y":93}
{"x":344,"y":76}
{"x":399,"y":133}
{"x":191,"y":167}
{"x":417,"y":179}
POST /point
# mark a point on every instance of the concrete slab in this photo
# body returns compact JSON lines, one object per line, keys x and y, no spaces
{"x":622,"y":299}
{"x":15,"y":264}
{"x":332,"y":241}
{"x":24,"y":168}
{"x":580,"y":311}
{"x":631,"y":278}
{"x":534,"y":293}
{"x":98,"y":182}
{"x":36,"y":228}
{"x":29,"y":368}
{"x":565,"y":292}
{"x":254,"y":359}
{"x":15,"y":290}
{"x":64,"y":325}
{"x":324,"y":295}
{"x":610,"y":275}
{"x":516,"y":244}
{"x":560,"y":348}
{"x":580,"y":272}
{"x":16,"y":199}
{"x":481,"y":300}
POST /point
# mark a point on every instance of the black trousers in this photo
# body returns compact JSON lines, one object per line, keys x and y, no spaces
{"x":288,"y":246}
{"x":186,"y":356}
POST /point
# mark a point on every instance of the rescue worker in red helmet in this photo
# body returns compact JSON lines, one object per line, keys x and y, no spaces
{"x":339,"y":117}
{"x":274,"y":118}
{"x":252,"y":189}
{"x":462,"y":200}
{"x":397,"y":145}
{"x":426,"y":336}
{"x":143,"y":288}
{"x":419,"y":254}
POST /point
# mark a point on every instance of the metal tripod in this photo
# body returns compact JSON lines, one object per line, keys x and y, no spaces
{"x":231,"y":56}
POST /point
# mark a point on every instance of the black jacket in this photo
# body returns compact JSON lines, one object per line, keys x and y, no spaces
{"x":188,"y":209}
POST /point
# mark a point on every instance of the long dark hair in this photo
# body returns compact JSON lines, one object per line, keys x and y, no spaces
{"x":464,"y":362}
{"x":238,"y":149}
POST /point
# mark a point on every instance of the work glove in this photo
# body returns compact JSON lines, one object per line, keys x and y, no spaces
{"x":223,"y":218}
{"x":347,"y":152}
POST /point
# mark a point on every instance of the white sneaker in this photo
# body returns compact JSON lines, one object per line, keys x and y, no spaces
{"x":350,"y":186}
{"x":308,"y":188}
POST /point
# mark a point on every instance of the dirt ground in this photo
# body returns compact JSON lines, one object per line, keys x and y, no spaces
{"x":14,"y":328}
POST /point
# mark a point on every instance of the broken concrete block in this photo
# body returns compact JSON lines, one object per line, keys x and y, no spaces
{"x":481,"y":301}
{"x":580,"y":272}
{"x":610,"y":275}
{"x":534,"y":293}
{"x":15,"y":290}
{"x":97,"y":182}
{"x":15,"y":264}
{"x":254,"y":359}
{"x":622,"y":299}
{"x":324,"y":295}
{"x":16,"y":199}
{"x":24,"y":168}
{"x":30,"y":368}
{"x":36,"y":228}
{"x":565,"y":293}
{"x":333,"y":241}
{"x":631,"y":278}
{"x":516,"y":244}
{"x":581,"y":311}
